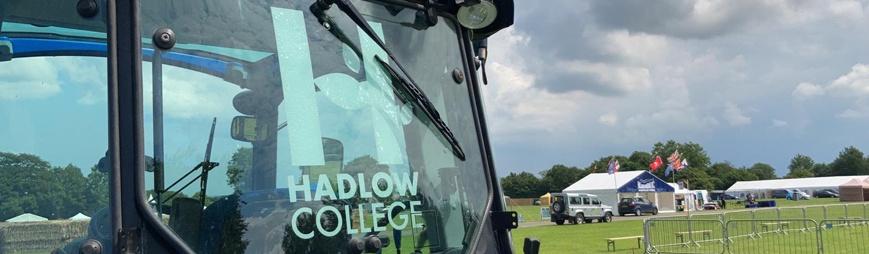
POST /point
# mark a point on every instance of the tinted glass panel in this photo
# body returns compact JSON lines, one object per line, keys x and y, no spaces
{"x":53,"y":129}
{"x":297,"y":138}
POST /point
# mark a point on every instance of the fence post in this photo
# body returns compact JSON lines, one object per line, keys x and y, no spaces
{"x":647,"y":245}
{"x":864,"y":211}
{"x":778,"y":218}
{"x":846,"y":215}
{"x":805,"y":217}
{"x":753,"y":225}
{"x":825,"y":211}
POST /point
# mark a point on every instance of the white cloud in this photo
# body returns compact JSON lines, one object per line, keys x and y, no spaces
{"x":188,"y":94}
{"x":807,"y":90}
{"x":849,"y":9}
{"x":609,"y":119}
{"x":779,"y":123}
{"x":853,"y":84}
{"x":514,"y":105}
{"x":851,"y":113}
{"x":618,"y":78}
{"x":28,"y":78}
{"x":734,"y":115}
{"x":638,"y":48}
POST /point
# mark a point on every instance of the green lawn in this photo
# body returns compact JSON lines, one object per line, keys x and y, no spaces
{"x":590,"y":238}
{"x":581,"y":238}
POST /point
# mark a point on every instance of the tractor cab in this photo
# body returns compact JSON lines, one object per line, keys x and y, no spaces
{"x":308,"y":126}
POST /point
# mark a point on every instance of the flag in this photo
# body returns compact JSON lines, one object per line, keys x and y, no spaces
{"x":669,"y":169}
{"x":613,"y":167}
{"x":683,"y":165}
{"x":657,"y":163}
{"x":674,"y":160}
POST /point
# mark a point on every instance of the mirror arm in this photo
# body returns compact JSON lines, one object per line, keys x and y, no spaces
{"x":157,"y":104}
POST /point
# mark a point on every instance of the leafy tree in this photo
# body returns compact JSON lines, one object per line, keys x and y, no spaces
{"x":697,"y":179}
{"x":763,"y":171}
{"x":822,"y":169}
{"x":238,"y":166}
{"x":638,"y":161}
{"x":601,"y":165}
{"x":697,"y":158}
{"x":559,"y":176}
{"x":366,"y":165}
{"x":72,"y":197}
{"x":31,"y":185}
{"x":24,"y":186}
{"x":522,"y":185}
{"x":208,"y":199}
{"x":800,"y":173}
{"x":849,"y":162}
{"x":96,"y":192}
{"x":800,"y":167}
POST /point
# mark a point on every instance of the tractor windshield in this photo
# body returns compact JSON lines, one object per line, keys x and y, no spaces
{"x":270,"y":127}
{"x":316,"y":148}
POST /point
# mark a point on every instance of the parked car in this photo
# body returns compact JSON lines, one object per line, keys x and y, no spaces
{"x":781,"y":194}
{"x":826,"y":194}
{"x":578,"y":208}
{"x":798,"y":194}
{"x":636,"y":206}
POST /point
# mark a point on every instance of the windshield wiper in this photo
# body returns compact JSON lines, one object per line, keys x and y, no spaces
{"x":404,"y":85}
{"x":409,"y":92}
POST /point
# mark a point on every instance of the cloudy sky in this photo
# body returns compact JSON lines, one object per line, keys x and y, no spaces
{"x":751,"y":81}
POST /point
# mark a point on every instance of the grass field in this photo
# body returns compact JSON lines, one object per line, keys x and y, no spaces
{"x":590,"y":238}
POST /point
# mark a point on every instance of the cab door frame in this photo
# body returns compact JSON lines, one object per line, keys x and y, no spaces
{"x":135,"y":229}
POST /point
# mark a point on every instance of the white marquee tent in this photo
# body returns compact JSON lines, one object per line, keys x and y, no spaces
{"x":809,"y":185}
{"x":79,"y":216}
{"x":27,"y":217}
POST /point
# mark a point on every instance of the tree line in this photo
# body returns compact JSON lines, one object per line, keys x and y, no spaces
{"x":701,"y":173}
{"x":29,"y":184}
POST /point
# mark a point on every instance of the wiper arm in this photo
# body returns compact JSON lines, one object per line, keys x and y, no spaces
{"x":404,"y":85}
{"x":409,"y":92}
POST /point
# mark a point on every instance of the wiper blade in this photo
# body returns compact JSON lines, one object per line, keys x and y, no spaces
{"x":404,"y":85}
{"x":408,"y":92}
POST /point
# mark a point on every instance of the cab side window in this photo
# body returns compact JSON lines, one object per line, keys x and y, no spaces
{"x":54,"y":191}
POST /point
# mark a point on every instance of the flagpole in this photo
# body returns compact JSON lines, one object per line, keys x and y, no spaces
{"x":616,"y":185}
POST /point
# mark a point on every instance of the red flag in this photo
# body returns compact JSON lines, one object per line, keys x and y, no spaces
{"x":657,"y":163}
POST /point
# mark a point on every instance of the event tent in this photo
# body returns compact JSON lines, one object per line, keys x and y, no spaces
{"x":79,"y":216}
{"x":851,"y":191}
{"x":611,"y":187}
{"x":809,"y":184}
{"x":545,"y":199}
{"x":27,"y":217}
{"x":866,"y":189}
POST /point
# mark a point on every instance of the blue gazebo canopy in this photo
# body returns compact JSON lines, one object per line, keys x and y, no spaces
{"x":646,"y":182}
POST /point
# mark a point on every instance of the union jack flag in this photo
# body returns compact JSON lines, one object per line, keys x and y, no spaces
{"x":613,"y":167}
{"x":675,"y":160}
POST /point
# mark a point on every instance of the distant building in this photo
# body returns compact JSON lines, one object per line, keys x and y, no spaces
{"x":762,"y":188}
{"x":27,"y":217}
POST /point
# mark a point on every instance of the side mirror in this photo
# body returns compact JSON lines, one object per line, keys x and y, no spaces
{"x":244,"y":128}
